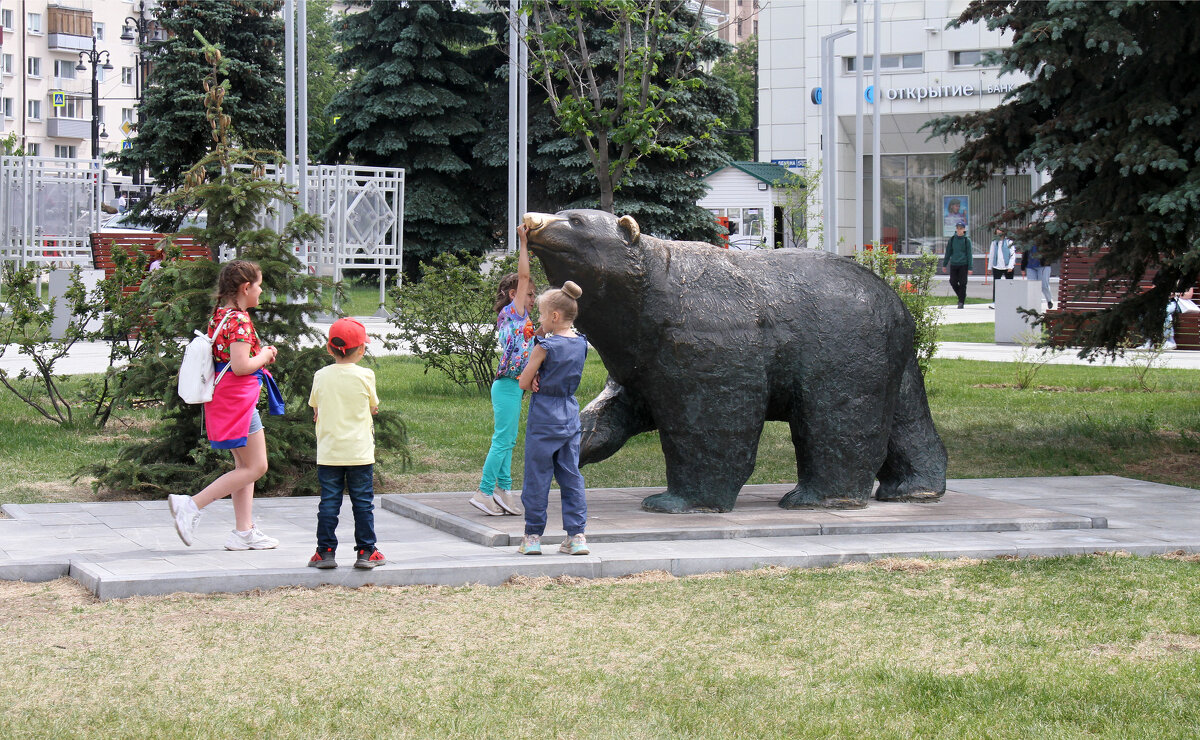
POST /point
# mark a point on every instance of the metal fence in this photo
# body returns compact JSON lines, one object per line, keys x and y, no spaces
{"x":49,"y":207}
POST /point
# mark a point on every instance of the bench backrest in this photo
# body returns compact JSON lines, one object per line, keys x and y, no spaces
{"x":1077,"y":271}
{"x":103,"y":245}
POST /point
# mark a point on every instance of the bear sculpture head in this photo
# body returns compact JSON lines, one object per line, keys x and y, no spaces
{"x":586,"y":246}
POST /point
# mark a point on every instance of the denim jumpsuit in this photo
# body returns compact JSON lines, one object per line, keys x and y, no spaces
{"x":552,"y":437}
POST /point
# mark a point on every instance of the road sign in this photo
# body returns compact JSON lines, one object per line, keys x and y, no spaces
{"x":126,"y":144}
{"x":59,"y":99}
{"x":126,"y":128}
{"x":815,"y":95}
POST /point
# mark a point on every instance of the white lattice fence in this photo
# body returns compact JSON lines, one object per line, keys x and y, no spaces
{"x":48,"y":207}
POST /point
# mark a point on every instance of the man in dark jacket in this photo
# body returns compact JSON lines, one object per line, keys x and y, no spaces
{"x":959,"y":260}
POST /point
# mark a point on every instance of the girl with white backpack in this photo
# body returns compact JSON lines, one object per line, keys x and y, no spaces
{"x":231,"y":418}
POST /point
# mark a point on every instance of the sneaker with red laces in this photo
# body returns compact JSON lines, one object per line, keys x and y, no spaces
{"x":369,"y":559}
{"x":323,"y":559}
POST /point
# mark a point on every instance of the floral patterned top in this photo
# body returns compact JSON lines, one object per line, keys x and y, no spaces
{"x":239,"y":328}
{"x":516,"y":334}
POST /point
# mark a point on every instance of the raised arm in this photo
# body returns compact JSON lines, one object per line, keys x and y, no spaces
{"x":523,"y":277}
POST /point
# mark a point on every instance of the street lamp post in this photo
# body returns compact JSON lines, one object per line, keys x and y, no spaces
{"x":94,"y":58}
{"x":139,"y":29}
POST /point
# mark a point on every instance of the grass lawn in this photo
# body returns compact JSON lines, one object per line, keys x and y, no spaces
{"x":985,"y":333}
{"x":949,"y":300}
{"x":1075,"y":420}
{"x":1098,"y":646}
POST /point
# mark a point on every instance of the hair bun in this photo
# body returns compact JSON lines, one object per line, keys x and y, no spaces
{"x":571,"y":289}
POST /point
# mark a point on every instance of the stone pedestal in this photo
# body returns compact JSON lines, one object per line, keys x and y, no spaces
{"x":1012,"y":295}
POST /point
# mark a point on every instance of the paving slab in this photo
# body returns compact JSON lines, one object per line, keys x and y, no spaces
{"x":615,"y":515}
{"x":121,"y":553}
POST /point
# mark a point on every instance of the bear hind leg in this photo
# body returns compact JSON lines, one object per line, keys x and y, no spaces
{"x":915,"y":466}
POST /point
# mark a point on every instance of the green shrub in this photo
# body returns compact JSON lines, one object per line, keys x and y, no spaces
{"x":914,"y":288}
{"x":448,"y":319}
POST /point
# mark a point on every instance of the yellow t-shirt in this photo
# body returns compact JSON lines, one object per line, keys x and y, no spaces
{"x":343,"y":396}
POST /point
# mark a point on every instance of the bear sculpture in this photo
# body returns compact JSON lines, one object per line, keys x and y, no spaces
{"x":706,"y":344}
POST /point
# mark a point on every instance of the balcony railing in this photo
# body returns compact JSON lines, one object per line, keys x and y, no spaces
{"x":69,"y":128}
{"x":69,"y":42}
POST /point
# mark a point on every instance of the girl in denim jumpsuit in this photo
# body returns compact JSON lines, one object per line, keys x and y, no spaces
{"x":552,"y":428}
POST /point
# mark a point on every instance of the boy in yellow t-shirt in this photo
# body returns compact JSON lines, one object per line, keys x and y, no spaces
{"x":343,"y":400}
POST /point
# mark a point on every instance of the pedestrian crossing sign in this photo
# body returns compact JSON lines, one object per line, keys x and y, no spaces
{"x":127,"y":144}
{"x":59,"y":99}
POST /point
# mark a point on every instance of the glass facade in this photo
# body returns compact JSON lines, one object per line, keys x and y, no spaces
{"x":920,"y":210}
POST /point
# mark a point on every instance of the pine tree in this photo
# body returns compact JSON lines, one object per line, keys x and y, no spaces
{"x":172,"y":131}
{"x":414,"y":103}
{"x":1112,"y":114}
{"x":178,"y":299}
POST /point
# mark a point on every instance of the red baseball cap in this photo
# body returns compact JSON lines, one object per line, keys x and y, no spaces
{"x":348,"y":334}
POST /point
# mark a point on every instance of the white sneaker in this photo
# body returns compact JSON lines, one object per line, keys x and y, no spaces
{"x":186,"y":515}
{"x":507,"y":501}
{"x":252,"y":540}
{"x":1169,"y":344}
{"x":487,"y":504}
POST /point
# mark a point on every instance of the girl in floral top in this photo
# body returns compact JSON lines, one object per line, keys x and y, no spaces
{"x":231,"y":418}
{"x":515,"y":331}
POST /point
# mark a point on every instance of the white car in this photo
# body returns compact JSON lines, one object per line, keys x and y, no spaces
{"x":122,"y":223}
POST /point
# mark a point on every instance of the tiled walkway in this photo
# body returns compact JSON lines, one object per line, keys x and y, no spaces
{"x":130,"y":548}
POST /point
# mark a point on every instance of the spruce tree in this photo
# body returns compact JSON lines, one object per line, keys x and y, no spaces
{"x":1111,"y":112}
{"x":414,"y":103}
{"x":172,"y":131}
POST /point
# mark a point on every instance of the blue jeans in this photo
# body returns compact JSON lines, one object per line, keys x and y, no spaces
{"x":506,"y":415}
{"x":359,"y":482}
{"x":1043,"y":274}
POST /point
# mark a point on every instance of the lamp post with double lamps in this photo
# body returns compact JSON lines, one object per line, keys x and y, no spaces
{"x":94,"y":58}
{"x":139,"y":29}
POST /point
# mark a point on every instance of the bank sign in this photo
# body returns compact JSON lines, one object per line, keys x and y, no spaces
{"x":947,"y":91}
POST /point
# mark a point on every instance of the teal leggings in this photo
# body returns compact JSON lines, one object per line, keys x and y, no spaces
{"x":506,"y":412}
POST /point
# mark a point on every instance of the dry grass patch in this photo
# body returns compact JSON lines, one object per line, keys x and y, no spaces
{"x":1182,"y":556}
{"x":1151,"y":647}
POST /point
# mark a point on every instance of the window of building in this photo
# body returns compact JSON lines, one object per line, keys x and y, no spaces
{"x":6,"y":19}
{"x":6,"y":63}
{"x":34,"y":110}
{"x":887,"y":63}
{"x":920,"y":210}
{"x":71,"y":108}
{"x":64,"y":151}
{"x":33,"y":150}
{"x":64,"y":69}
{"x":971,"y":58}
{"x":98,"y":29}
{"x":8,"y":107}
{"x":33,"y":22}
{"x":127,"y":115}
{"x":33,"y":67}
{"x":126,"y":75}
{"x":100,"y":75}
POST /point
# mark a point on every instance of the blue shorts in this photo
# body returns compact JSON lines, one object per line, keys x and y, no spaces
{"x":255,"y":423}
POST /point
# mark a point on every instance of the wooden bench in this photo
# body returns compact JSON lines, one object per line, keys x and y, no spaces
{"x":103,"y":245}
{"x":1077,"y":272}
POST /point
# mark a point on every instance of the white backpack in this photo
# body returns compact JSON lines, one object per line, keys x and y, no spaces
{"x":197,"y":371}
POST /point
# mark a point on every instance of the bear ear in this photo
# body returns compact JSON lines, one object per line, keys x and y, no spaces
{"x":632,"y":230}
